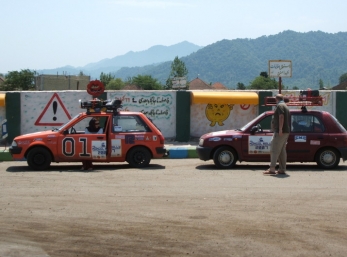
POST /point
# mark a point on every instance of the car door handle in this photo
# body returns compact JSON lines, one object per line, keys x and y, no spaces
{"x":100,"y":137}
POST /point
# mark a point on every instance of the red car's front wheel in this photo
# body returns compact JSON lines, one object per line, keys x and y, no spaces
{"x":225,"y":157}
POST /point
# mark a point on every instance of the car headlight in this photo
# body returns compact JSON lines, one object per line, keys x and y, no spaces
{"x":14,"y":143}
{"x":201,"y":141}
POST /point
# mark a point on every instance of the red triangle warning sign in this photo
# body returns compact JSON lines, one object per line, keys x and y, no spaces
{"x":54,"y":114}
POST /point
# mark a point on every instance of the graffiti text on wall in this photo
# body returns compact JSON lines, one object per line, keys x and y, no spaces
{"x":153,"y":105}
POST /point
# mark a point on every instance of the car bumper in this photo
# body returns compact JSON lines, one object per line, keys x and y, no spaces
{"x":15,"y":150}
{"x":161,"y":151}
{"x":343,"y":152}
{"x":204,"y":153}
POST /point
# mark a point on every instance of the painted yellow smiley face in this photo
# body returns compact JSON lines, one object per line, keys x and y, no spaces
{"x":217,"y":113}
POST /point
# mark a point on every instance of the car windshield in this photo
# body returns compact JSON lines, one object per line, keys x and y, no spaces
{"x":66,"y":124}
{"x":245,"y":127}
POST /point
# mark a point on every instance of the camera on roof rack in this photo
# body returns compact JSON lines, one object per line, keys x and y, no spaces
{"x":97,"y":105}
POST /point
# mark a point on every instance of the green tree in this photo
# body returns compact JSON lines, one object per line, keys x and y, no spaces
{"x":295,"y":88}
{"x":129,"y":81}
{"x":343,"y":78}
{"x":264,"y":74}
{"x":241,"y":86}
{"x":178,"y":70}
{"x":147,"y":82}
{"x":262,"y":82}
{"x":321,"y":84}
{"x":115,"y":84}
{"x":19,"y":80}
{"x":106,"y":78}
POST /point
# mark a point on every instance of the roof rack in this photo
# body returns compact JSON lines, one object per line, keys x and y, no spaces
{"x":296,"y":101}
{"x":96,"y":105}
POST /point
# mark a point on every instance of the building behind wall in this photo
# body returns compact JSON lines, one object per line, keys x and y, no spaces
{"x":61,"y":82}
{"x":341,"y":86}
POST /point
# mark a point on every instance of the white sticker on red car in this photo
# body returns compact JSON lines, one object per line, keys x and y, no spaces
{"x":99,"y":149}
{"x":259,"y":144}
{"x":116,"y":148}
{"x":314,"y":142}
{"x":25,"y":142}
{"x":139,"y":137}
{"x":300,"y":139}
{"x":215,"y":139}
{"x":117,"y":128}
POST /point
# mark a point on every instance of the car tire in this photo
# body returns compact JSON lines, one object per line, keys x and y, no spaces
{"x":139,"y":157}
{"x":39,"y":158}
{"x":328,"y":158}
{"x":225,"y":157}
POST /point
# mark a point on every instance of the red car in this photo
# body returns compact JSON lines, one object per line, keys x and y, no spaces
{"x":316,"y":136}
{"x":125,"y":136}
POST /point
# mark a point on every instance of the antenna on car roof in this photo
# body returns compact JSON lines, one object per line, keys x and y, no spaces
{"x":303,"y":108}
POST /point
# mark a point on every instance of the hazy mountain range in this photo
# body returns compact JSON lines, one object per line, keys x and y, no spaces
{"x":154,"y":55}
{"x":314,"y":55}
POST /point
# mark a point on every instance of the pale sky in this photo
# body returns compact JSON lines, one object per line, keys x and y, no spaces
{"x":47,"y":34}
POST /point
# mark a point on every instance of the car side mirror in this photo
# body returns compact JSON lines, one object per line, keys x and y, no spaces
{"x":66,"y":132}
{"x":254,"y":129}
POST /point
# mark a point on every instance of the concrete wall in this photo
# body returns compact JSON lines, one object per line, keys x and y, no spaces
{"x":39,"y":112}
{"x":213,"y":117}
{"x":176,"y":117}
{"x":160,"y":106}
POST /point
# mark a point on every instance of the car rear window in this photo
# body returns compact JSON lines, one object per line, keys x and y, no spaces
{"x":339,"y":124}
{"x":129,"y":123}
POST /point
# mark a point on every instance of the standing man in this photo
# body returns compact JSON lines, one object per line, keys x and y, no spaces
{"x":280,"y":128}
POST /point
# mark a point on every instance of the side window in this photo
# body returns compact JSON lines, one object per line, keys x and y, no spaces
{"x":129,"y":123}
{"x":266,"y":123}
{"x":80,"y":127}
{"x":317,"y":125}
{"x":306,"y":123}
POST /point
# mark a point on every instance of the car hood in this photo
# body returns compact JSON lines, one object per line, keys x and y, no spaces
{"x":37,"y":135}
{"x":222,"y":133}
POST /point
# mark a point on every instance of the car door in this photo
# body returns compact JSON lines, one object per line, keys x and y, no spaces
{"x":306,"y":137}
{"x":75,"y":145}
{"x":256,"y":143}
{"x":128,"y":130}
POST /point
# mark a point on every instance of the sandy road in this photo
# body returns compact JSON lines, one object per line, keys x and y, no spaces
{"x":172,"y":208}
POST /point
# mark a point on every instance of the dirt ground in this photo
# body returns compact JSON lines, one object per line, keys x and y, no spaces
{"x":172,"y":208}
